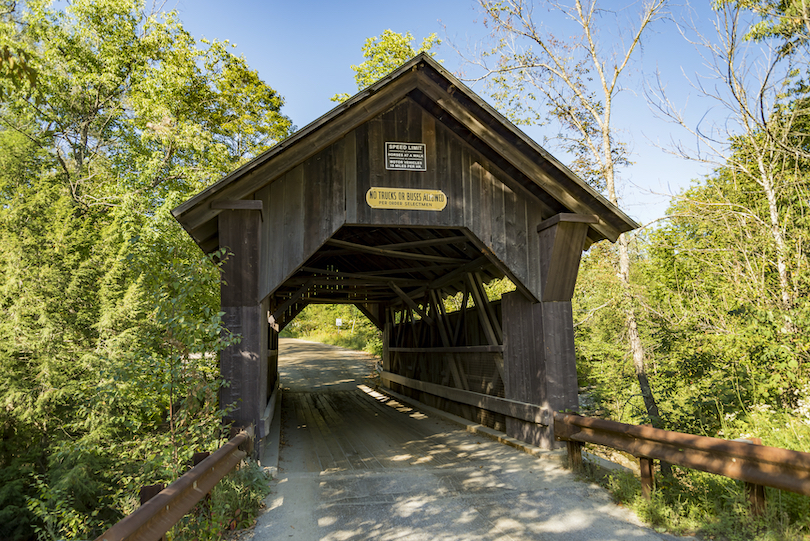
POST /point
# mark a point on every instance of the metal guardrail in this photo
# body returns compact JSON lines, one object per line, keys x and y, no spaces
{"x":157,"y":516}
{"x":756,"y":465}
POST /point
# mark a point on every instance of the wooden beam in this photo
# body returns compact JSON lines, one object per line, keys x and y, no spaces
{"x":328,"y":300}
{"x":511,"y":408}
{"x":562,"y":239}
{"x":449,"y":278}
{"x":364,"y":276}
{"x":452,"y":349}
{"x":426,"y":268}
{"x":238,"y":204}
{"x":291,"y":314}
{"x":462,"y":314}
{"x":410,"y":302}
{"x":481,"y":301}
{"x":427,"y":242}
{"x":273,"y":318}
{"x":439,"y":319}
{"x":568,"y":217}
{"x":393,"y":253}
{"x":367,"y":282}
{"x":372,"y":317}
{"x":496,"y":326}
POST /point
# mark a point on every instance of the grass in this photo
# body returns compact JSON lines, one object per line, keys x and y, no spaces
{"x":708,"y":506}
{"x":234,"y":504}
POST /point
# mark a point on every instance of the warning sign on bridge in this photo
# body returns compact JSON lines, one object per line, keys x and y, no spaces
{"x":406,"y":199}
{"x":405,"y":156}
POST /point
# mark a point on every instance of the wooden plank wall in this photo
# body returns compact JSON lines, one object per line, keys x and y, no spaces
{"x":308,"y":204}
{"x":243,"y":364}
{"x":479,"y":196}
{"x":524,"y":364}
{"x":304,"y":208}
{"x":479,"y":370}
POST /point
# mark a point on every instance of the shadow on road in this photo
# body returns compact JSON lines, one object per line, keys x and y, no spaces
{"x":356,"y":464}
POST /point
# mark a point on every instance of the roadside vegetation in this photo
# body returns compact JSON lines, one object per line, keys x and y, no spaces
{"x":111,"y":115}
{"x":319,"y":323}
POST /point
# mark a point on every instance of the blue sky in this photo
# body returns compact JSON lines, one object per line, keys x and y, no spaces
{"x":304,"y":49}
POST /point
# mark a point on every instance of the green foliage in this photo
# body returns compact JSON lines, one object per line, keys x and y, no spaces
{"x":234,"y":504}
{"x":16,"y":70}
{"x":711,"y":506}
{"x":108,"y":351}
{"x":784,"y":20}
{"x":317,"y":322}
{"x":384,"y":54}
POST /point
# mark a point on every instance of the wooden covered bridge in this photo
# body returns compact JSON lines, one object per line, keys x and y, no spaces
{"x":411,"y":191}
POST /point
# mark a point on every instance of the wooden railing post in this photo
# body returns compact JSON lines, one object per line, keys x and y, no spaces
{"x":755,"y":493}
{"x":647,"y":477}
{"x":204,"y":506}
{"x":574,"y":455}
{"x":150,"y":491}
{"x":647,"y":467}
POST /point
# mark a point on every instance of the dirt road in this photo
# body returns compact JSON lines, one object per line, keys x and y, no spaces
{"x":355,"y":464}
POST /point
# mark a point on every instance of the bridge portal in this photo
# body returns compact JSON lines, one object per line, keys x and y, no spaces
{"x":411,"y":191}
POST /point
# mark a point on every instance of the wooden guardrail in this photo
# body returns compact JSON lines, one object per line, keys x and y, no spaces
{"x":157,"y":516}
{"x":757,"y":465}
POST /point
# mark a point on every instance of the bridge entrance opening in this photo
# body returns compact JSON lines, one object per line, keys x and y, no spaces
{"x":410,"y":192}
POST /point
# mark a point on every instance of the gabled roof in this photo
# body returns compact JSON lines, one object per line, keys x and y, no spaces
{"x":557,"y":189}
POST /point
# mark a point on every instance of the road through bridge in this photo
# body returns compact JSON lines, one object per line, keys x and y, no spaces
{"x":356,"y":464}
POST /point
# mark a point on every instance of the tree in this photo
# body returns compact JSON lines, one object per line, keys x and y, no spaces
{"x":536,"y":75}
{"x":785,"y":20}
{"x":761,"y":137}
{"x":107,"y":378}
{"x":384,"y":54}
{"x":16,"y":70}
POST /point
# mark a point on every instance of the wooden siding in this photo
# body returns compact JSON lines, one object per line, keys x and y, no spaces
{"x":307,"y":205}
{"x":485,"y":201}
{"x":477,"y":371}
{"x":305,"y":208}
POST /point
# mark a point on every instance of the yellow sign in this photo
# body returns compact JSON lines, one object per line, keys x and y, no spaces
{"x":406,"y":199}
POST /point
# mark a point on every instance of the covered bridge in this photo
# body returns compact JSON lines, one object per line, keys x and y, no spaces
{"x":411,"y":191}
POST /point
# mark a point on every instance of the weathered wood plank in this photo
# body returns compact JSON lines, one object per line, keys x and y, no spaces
{"x":451,"y":349}
{"x":293,"y":218}
{"x":512,"y":408}
{"x":394,"y":253}
{"x":243,"y":365}
{"x":350,"y":175}
{"x":336,"y":216}
{"x":481,"y":302}
{"x":561,"y":242}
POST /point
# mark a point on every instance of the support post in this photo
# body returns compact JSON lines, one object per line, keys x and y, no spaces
{"x":755,"y":493}
{"x":646,"y":466}
{"x":243,"y":365}
{"x":574,"y":455}
{"x":539,"y":358}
